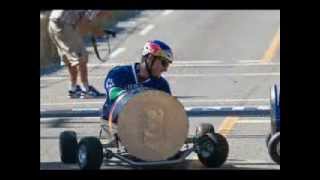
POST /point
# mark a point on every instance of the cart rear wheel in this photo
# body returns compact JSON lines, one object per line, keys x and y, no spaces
{"x":274,"y":148}
{"x":203,"y":129}
{"x":213,"y":149}
{"x":268,"y":138}
{"x":90,"y":153}
{"x":68,"y":146}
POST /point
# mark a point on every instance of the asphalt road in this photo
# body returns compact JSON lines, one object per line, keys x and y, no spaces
{"x":223,"y":58}
{"x":246,"y":142}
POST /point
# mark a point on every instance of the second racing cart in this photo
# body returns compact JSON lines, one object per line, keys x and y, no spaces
{"x":273,"y":138}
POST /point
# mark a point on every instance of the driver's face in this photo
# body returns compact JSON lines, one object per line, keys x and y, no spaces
{"x":159,"y":66}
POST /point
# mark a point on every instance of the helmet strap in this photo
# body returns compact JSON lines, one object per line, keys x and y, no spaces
{"x":149,"y":68}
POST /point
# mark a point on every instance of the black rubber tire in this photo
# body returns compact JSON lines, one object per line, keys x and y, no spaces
{"x":274,"y":107}
{"x":68,"y":147}
{"x":203,"y":129}
{"x":272,"y":148}
{"x":220,"y":152}
{"x":268,"y":139}
{"x":278,"y":95}
{"x":93,"y":150}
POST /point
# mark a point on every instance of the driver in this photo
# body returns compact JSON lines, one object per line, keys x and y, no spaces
{"x":156,"y":58}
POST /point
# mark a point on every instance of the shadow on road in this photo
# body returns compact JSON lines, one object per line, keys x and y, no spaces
{"x":188,"y":164}
{"x":57,"y":166}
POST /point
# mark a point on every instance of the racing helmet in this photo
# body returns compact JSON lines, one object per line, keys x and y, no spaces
{"x":158,"y":48}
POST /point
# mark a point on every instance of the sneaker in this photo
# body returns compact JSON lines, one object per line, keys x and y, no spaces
{"x":76,"y":93}
{"x":91,"y":93}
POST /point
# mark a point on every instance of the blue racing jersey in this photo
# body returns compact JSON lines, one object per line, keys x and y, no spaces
{"x":126,"y":78}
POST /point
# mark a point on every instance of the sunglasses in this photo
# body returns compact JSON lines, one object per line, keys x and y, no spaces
{"x":164,"y":61}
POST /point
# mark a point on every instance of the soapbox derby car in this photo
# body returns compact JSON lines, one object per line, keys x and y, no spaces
{"x":145,"y":128}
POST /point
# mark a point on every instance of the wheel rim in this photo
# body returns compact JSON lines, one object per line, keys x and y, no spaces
{"x":206,"y":149}
{"x":82,"y":155}
{"x":278,"y":148}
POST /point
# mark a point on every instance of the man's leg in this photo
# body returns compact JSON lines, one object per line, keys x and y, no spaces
{"x":73,"y":72}
{"x":83,"y":69}
{"x":87,"y":90}
{"x":74,"y":89}
{"x":62,"y":37}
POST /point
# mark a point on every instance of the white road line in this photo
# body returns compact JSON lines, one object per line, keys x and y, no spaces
{"x":92,"y":119}
{"x":146,"y":29}
{"x":117,"y":52}
{"x":182,"y":101}
{"x":263,"y":107}
{"x":179,"y":75}
{"x":71,"y":103}
{"x":77,"y":109}
{"x":225,"y":100}
{"x":126,"y":24}
{"x":238,"y":108}
{"x":177,"y":61}
{"x":108,"y":64}
{"x":189,"y":64}
{"x":85,"y":109}
{"x":224,"y":74}
{"x":96,"y":119}
{"x":214,"y":65}
{"x":167,"y":12}
{"x":187,"y":108}
{"x":203,"y":108}
{"x":249,"y":61}
{"x":229,"y":108}
{"x":197,"y":62}
{"x":253,"y":121}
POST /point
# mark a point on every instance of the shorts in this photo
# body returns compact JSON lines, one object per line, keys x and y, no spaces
{"x":69,"y":43}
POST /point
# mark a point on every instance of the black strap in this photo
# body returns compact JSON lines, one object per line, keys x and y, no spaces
{"x":94,"y":44}
{"x":149,"y":69}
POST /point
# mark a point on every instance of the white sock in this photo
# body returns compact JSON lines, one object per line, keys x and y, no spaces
{"x":85,"y":87}
{"x":73,"y":87}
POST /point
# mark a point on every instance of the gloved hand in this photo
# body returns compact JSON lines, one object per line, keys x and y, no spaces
{"x":115,"y":92}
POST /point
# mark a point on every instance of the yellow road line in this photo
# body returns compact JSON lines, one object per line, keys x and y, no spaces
{"x":275,"y":44}
{"x":227,"y":125}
